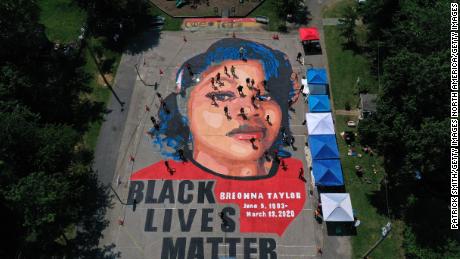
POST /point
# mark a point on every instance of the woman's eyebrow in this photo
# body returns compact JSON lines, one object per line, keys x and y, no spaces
{"x":213,"y":93}
{"x":229,"y":80}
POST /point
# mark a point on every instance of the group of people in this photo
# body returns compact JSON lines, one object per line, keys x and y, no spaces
{"x":217,"y":82}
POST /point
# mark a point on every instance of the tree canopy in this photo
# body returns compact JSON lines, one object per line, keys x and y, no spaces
{"x":410,"y":128}
{"x":48,"y":190}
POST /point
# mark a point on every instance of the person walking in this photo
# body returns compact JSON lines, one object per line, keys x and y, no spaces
{"x":226,"y":71}
{"x":253,"y":141}
{"x":241,"y":51}
{"x":320,"y":251}
{"x":171,"y":171}
{"x":240,"y":90}
{"x":265,"y":84}
{"x":218,"y":78}
{"x":267,"y":119}
{"x":267,"y":156}
{"x":290,"y":103}
{"x":181,"y":155}
{"x":242,"y":114}
{"x":189,"y":68}
{"x":248,"y":83}
{"x":213,"y":82}
{"x":301,"y":89}
{"x":232,"y":70}
{"x":301,"y":172}
{"x":165,"y":108}
{"x":299,"y":56}
{"x":283,"y":165}
{"x":252,"y":83}
{"x":226,"y":113}
{"x":253,"y":101}
{"x":213,"y":98}
{"x":155,"y":123}
{"x":160,"y":97}
{"x":292,"y":141}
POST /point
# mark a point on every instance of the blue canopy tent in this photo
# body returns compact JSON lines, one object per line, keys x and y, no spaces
{"x":317,"y":89}
{"x":319,"y":103}
{"x":317,"y":76}
{"x":327,"y":172}
{"x":323,"y":147}
{"x":317,"y":80}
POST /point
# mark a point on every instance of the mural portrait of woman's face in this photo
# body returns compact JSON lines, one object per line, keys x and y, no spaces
{"x":228,"y":110}
{"x":233,"y":144}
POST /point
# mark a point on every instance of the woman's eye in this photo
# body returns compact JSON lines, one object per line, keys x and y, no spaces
{"x":223,"y":97}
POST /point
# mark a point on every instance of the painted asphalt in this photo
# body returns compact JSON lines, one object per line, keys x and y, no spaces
{"x":123,"y":135}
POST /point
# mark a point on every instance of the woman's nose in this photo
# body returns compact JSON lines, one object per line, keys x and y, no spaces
{"x":250,"y":108}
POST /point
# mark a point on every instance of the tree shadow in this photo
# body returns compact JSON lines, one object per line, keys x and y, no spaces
{"x":354,"y":47}
{"x":86,"y":112}
{"x":143,"y":42}
{"x":425,"y":213}
{"x":340,"y":229}
{"x":93,"y":222}
{"x":332,"y":189}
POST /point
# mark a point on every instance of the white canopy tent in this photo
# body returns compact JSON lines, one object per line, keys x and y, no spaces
{"x":320,"y":123}
{"x":337,"y":207}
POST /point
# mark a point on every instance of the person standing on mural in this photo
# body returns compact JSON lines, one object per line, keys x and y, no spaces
{"x":248,"y":83}
{"x":213,"y":83}
{"x":241,"y":51}
{"x":299,"y":56}
{"x":240,"y":90}
{"x":218,"y":79}
{"x":226,"y":113}
{"x":189,"y":68}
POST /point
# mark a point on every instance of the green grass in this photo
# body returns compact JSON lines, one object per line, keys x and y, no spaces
{"x":62,"y":19}
{"x":171,"y":23}
{"x":337,"y":9}
{"x":360,"y":191}
{"x":345,"y":67}
{"x":267,"y":8}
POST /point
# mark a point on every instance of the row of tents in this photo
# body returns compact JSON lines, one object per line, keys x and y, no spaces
{"x":326,"y":167}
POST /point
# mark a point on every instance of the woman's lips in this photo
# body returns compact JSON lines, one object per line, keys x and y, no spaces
{"x":247,"y":132}
{"x":248,"y":135}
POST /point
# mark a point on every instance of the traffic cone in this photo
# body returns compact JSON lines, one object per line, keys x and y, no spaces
{"x":131,"y":158}
{"x":161,"y":72}
{"x":121,"y":221}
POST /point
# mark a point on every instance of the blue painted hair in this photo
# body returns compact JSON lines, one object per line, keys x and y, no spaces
{"x":174,"y":133}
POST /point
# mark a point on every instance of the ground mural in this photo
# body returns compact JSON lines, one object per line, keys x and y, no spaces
{"x":224,"y":137}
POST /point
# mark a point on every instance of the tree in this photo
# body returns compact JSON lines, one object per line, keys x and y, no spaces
{"x":20,"y":33}
{"x":116,"y":17}
{"x":410,"y":128}
{"x":347,"y":24}
{"x":47,"y":185}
